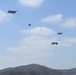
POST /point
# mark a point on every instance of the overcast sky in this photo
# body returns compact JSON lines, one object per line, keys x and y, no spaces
{"x":21,"y":44}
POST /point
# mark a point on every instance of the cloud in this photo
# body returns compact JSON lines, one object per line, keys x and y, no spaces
{"x":4,"y":16}
{"x":53,"y":18}
{"x":58,"y":18}
{"x":31,"y":3}
{"x":17,"y":49}
{"x":7,"y":58}
{"x":6,"y":61}
{"x":67,"y":41}
{"x":39,"y":31}
{"x":32,"y":44}
{"x":35,"y":42}
{"x":69,"y":22}
{"x":71,"y":40}
{"x":37,"y":46}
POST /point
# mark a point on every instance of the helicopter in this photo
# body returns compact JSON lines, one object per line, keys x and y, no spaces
{"x":59,"y":33}
{"x":54,"y":43}
{"x":12,"y":11}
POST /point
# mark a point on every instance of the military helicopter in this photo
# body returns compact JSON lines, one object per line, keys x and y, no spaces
{"x":59,"y":33}
{"x":29,"y":24}
{"x":54,"y":43}
{"x":12,"y":12}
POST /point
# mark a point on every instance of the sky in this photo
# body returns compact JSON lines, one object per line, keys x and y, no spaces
{"x":21,"y":44}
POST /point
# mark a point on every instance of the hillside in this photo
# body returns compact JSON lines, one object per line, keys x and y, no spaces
{"x":34,"y":69}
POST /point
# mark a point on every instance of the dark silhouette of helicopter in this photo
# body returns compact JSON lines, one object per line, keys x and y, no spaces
{"x":59,"y":33}
{"x":54,"y":43}
{"x":12,"y":12}
{"x":29,"y":24}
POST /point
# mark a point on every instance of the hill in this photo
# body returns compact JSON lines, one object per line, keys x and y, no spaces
{"x":35,"y":69}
